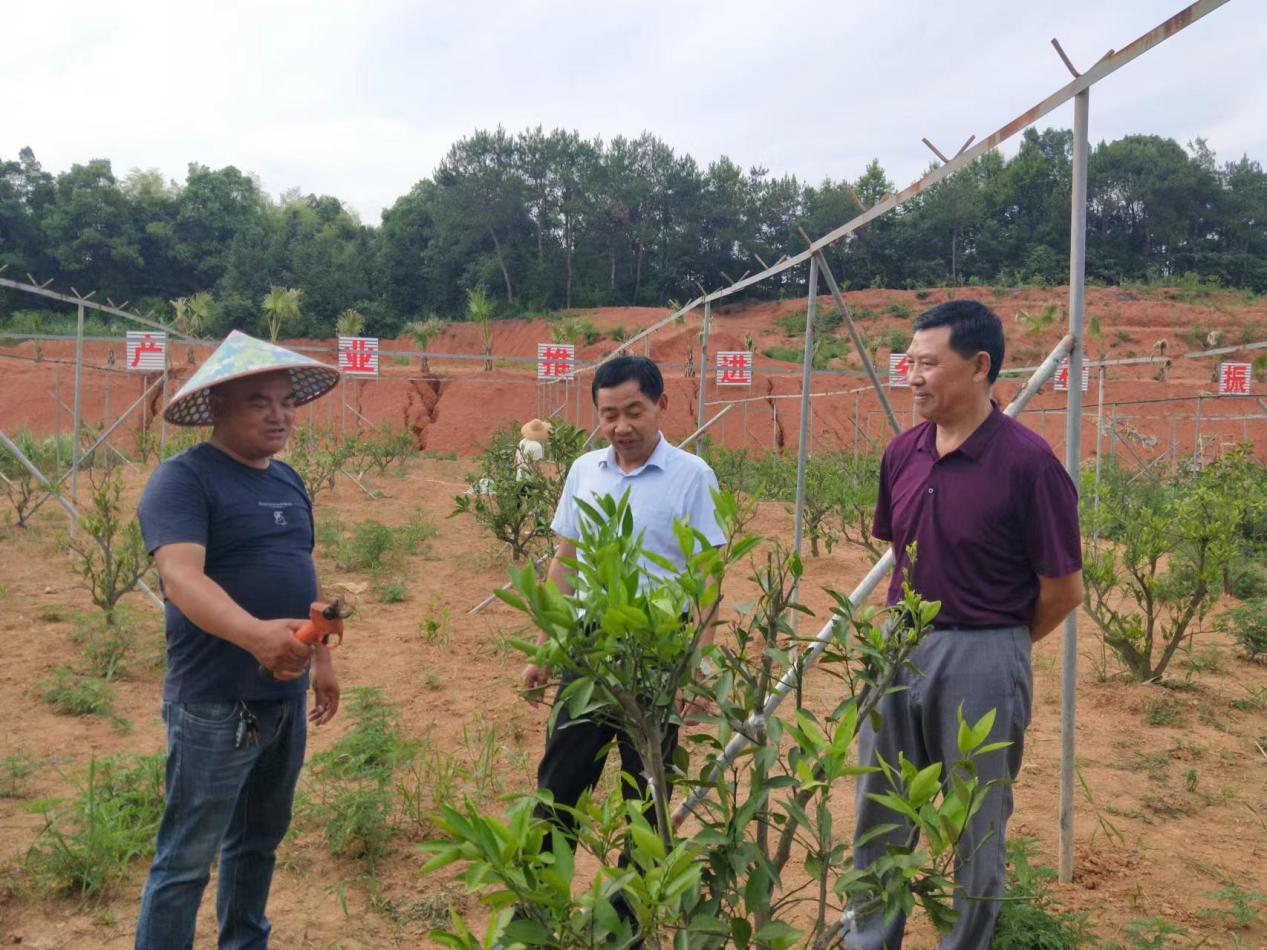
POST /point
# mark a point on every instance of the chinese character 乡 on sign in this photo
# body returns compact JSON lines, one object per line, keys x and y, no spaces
{"x":1062,"y":377}
{"x":899,"y":370}
{"x":358,"y":355}
{"x":1234,"y":379}
{"x":734,"y":368}
{"x":555,"y":360}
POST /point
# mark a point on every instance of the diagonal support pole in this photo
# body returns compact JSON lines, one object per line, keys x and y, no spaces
{"x":856,"y":337}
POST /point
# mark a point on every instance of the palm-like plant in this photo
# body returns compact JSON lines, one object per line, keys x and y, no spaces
{"x":479,"y":308}
{"x":349,"y":323}
{"x":281,"y":308}
{"x":422,"y":332}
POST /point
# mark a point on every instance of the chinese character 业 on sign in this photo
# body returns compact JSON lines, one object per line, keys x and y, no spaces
{"x":358,"y":355}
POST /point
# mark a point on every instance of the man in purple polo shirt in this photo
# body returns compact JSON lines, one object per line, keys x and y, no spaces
{"x":994,"y":517}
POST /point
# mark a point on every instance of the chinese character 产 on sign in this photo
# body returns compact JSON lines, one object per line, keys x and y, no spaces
{"x":147,"y":352}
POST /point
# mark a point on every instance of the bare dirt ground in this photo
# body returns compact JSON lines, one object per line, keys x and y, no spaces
{"x":1165,"y":812}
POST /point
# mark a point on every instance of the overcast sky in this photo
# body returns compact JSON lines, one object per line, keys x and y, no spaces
{"x":361,"y":99}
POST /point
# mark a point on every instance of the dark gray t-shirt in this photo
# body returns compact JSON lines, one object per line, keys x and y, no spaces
{"x":256,"y":525}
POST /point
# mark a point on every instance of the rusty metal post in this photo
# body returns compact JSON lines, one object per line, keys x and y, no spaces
{"x":77,"y":419}
{"x":703,"y":367}
{"x":1073,"y":462}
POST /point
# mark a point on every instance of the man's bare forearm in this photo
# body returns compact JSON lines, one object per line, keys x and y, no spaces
{"x":209,"y":607}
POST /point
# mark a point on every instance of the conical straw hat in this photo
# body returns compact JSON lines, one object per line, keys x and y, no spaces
{"x":242,"y":355}
{"x":536,"y":430}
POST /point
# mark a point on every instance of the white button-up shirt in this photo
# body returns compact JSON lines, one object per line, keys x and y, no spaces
{"x":670,"y":484}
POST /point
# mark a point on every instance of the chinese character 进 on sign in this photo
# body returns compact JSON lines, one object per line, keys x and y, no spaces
{"x":899,"y":370}
{"x":554,"y":360}
{"x":734,"y":368}
{"x":358,"y":355}
{"x":147,"y":352}
{"x":1062,"y":376}
{"x":1234,"y":379}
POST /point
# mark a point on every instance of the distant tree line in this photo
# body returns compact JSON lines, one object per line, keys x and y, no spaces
{"x":543,"y":221}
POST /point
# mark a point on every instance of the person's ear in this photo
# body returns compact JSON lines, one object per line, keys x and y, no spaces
{"x":982,"y":368}
{"x":663,"y":401}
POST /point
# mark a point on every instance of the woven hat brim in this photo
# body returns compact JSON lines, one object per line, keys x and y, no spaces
{"x":311,"y":381}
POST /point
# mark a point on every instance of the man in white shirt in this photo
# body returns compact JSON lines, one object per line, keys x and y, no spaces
{"x":664,"y":483}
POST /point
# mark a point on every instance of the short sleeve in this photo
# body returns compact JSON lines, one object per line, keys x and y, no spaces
{"x":565,"y":520}
{"x":174,"y":508}
{"x":882,"y":522}
{"x":701,"y":511}
{"x":1052,"y":539}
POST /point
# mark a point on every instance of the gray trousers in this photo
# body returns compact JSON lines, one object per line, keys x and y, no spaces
{"x":983,"y":670}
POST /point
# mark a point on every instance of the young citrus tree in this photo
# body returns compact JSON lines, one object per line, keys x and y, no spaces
{"x":627,"y":644}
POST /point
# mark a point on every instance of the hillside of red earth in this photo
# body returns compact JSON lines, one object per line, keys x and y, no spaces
{"x":1151,"y":405}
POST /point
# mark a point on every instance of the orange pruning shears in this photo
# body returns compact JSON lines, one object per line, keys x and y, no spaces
{"x":325,"y":624}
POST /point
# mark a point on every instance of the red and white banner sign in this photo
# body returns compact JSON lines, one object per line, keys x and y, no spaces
{"x":147,"y":352}
{"x":1234,"y":379}
{"x":555,"y":360}
{"x":734,"y":368}
{"x":899,"y":370}
{"x":1062,"y":376}
{"x":358,"y":355}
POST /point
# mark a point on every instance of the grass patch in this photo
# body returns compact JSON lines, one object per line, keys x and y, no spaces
{"x":14,"y":771}
{"x":75,"y":694}
{"x":86,"y":848}
{"x":1163,"y":711}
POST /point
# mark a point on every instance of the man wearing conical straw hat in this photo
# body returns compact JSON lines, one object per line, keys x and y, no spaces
{"x":231,"y":531}
{"x":532,"y":448}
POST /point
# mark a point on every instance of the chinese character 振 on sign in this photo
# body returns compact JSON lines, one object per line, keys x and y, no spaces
{"x":1234,"y":379}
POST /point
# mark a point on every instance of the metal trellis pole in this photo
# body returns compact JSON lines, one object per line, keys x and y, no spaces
{"x":806,"y":381}
{"x":76,"y":420}
{"x":1073,"y":461}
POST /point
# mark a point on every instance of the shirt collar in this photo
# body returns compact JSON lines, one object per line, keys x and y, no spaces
{"x":659,"y":458}
{"x":975,"y":444}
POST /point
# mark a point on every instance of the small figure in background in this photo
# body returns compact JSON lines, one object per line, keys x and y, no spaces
{"x":531,"y":449}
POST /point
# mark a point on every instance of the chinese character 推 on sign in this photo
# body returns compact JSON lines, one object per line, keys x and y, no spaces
{"x":555,"y":360}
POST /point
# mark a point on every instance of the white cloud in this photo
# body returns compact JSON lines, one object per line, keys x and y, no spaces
{"x":362,"y":100}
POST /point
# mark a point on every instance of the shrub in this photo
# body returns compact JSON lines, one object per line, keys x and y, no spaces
{"x":74,"y":694}
{"x":1246,"y":623}
{"x":23,"y":489}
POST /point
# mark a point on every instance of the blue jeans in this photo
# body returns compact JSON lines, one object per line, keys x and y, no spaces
{"x":227,"y":800}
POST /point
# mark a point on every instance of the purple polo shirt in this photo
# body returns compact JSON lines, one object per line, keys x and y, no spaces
{"x":988,"y":519}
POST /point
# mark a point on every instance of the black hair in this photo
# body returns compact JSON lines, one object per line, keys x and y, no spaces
{"x":624,"y":368}
{"x":973,"y":328}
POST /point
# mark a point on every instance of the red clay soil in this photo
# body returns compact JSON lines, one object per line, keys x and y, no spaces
{"x":452,"y":407}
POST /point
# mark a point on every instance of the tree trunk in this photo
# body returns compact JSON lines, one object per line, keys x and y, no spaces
{"x":501,"y":262}
{"x":954,"y":269}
